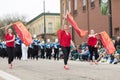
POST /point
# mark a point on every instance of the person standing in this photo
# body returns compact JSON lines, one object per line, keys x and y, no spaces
{"x":56,"y":49}
{"x":42,"y":49}
{"x":10,"y":40}
{"x":18,"y":51}
{"x":24,"y":52}
{"x":35,"y":48}
{"x":49,"y":47}
{"x":0,"y":48}
{"x":117,"y":42}
{"x":65,"y":43}
{"x":92,"y":45}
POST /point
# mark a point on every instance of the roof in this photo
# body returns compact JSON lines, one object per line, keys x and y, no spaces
{"x":42,"y":14}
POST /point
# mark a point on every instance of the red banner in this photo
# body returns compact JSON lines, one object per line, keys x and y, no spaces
{"x":23,"y":33}
{"x":80,"y":32}
{"x":107,"y":42}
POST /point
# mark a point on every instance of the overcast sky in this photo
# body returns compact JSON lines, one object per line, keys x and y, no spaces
{"x":28,"y":8}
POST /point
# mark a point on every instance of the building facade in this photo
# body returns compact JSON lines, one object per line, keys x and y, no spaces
{"x":87,"y":15}
{"x":48,"y":21}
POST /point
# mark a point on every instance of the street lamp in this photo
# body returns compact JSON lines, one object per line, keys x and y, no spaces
{"x":44,"y":21}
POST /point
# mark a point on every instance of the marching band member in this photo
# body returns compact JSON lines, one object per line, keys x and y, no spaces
{"x":42,"y":49}
{"x":48,"y":47}
{"x":24,"y":52}
{"x":56,"y":49}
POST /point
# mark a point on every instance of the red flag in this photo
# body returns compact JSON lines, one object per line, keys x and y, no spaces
{"x":23,"y":33}
{"x":107,"y":42}
{"x":80,"y":32}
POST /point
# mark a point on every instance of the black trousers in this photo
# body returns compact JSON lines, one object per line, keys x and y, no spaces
{"x":10,"y":52}
{"x":56,"y":54}
{"x":42,"y":53}
{"x":35,"y":51}
{"x":66,"y":51}
{"x":30,"y":52}
{"x":48,"y":53}
{"x":93,"y":51}
{"x":18,"y":51}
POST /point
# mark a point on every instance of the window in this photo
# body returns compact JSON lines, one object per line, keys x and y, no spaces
{"x":75,"y":6}
{"x":84,"y":5}
{"x":116,"y":31}
{"x":100,"y":2}
{"x":92,"y":3}
{"x":50,"y":28}
{"x":69,"y":5}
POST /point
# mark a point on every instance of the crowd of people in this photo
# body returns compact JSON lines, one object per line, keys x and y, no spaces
{"x":48,"y":50}
{"x":38,"y":49}
{"x":92,"y":50}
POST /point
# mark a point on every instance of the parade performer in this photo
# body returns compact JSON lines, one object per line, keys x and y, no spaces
{"x":24,"y":51}
{"x":42,"y":49}
{"x":18,"y":51}
{"x":65,"y":43}
{"x":35,"y":47}
{"x":56,"y":49}
{"x":9,"y":39}
{"x":92,"y":45}
{"x":48,"y":47}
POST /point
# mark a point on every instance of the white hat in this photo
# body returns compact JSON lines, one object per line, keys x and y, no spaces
{"x":34,"y":36}
{"x":56,"y":40}
{"x":43,"y":42}
{"x":48,"y":40}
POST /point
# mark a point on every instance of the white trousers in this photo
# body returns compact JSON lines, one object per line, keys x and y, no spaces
{"x":24,"y":52}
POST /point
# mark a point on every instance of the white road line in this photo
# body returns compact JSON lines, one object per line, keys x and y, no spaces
{"x":7,"y":76}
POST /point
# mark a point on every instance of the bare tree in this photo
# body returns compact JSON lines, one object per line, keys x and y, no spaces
{"x":7,"y":19}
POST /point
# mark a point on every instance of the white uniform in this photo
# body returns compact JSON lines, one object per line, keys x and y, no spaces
{"x":24,"y":52}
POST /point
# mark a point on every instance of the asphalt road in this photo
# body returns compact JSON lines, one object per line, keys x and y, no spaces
{"x":53,"y":70}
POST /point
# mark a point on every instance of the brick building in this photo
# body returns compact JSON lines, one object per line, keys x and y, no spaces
{"x":88,"y":16}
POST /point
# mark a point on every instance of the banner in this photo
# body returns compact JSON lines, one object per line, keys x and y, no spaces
{"x":104,"y":7}
{"x":107,"y":42}
{"x":23,"y":33}
{"x":80,"y":32}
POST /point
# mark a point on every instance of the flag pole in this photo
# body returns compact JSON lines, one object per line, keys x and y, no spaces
{"x":44,"y":22}
{"x":110,"y":18}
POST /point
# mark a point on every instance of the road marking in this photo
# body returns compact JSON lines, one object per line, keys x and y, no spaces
{"x":7,"y":76}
